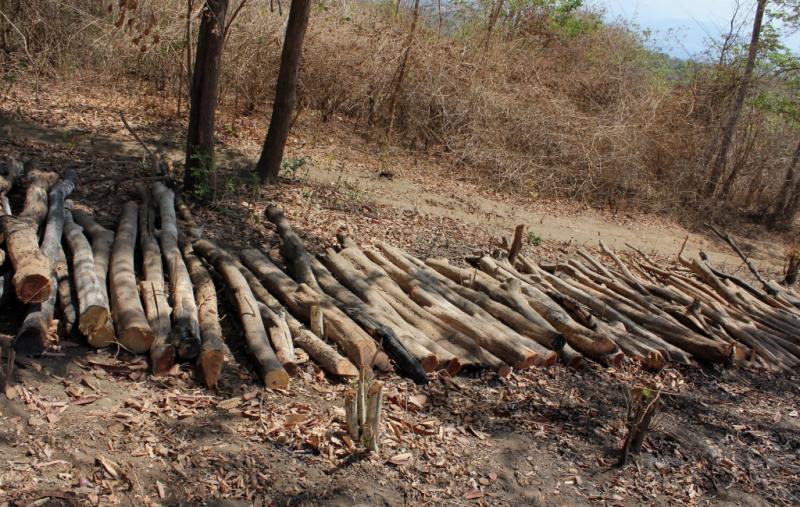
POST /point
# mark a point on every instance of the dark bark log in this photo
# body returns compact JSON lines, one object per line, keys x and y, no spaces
{"x":34,"y":333}
{"x":269,"y":163}
{"x":133,"y":329}
{"x":412,"y":358}
{"x":185,"y":333}
{"x":204,"y":93}
{"x":272,"y":373}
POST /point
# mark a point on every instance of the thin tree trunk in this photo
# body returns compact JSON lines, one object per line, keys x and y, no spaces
{"x":285,"y":93}
{"x":729,"y":129}
{"x":401,"y":70}
{"x":204,"y":92}
{"x":786,"y":203}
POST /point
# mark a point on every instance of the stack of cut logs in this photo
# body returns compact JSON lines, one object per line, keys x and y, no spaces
{"x":351,"y":309}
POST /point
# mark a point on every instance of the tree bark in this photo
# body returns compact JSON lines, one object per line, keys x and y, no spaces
{"x":269,"y":163}
{"x":204,"y":93}
{"x":272,"y":373}
{"x":185,"y":333}
{"x":130,"y":321}
{"x":729,"y":129}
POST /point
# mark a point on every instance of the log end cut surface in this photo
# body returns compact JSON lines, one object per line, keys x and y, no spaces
{"x":137,"y":340}
{"x":32,"y":286}
{"x":211,"y":363}
{"x":276,"y":379}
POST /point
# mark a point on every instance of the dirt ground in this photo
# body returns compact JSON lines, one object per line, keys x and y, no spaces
{"x":85,"y":427}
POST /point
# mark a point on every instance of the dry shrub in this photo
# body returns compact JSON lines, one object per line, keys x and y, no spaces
{"x":592,"y":116}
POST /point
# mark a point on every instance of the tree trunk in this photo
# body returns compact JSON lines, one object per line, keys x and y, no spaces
{"x":786,"y":204}
{"x":272,"y":373}
{"x":185,"y":334}
{"x":720,"y":161}
{"x":130,"y":321}
{"x":269,"y":164}
{"x":204,"y":93}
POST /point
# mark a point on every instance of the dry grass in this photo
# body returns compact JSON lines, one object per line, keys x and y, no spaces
{"x":593,"y":117}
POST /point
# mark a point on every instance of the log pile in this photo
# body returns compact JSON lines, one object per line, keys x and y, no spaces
{"x":150,"y":289}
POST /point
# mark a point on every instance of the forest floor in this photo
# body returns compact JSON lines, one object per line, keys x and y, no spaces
{"x":86,"y":427}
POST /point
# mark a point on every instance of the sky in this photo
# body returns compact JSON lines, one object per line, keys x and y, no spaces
{"x":682,"y":27}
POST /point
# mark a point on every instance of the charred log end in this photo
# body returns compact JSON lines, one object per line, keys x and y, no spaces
{"x":32,"y":287}
{"x":186,"y":344}
{"x":558,"y":342}
{"x":136,"y":340}
{"x":163,"y":359}
{"x":211,"y":363}
{"x":276,"y":379}
{"x":31,"y":341}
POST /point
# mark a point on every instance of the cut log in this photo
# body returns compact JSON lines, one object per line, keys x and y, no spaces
{"x":93,"y":307}
{"x":102,"y":242}
{"x":519,"y":316}
{"x":131,"y":324}
{"x":412,"y":358}
{"x":185,"y":334}
{"x":212,"y":348}
{"x":585,"y":341}
{"x":32,"y":268}
{"x":464,"y":349}
{"x":292,"y":248}
{"x":34,"y":333}
{"x":440,"y":316}
{"x":516,"y":245}
{"x":153,"y":290}
{"x":359,"y":347}
{"x":323,"y":354}
{"x":372,"y":428}
{"x":272,"y":373}
{"x":66,"y":296}
{"x":353,"y":279}
{"x":280,"y":337}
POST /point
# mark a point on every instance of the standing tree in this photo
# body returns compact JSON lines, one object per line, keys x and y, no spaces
{"x":204,"y":92}
{"x":719,"y":162}
{"x":285,"y":93}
